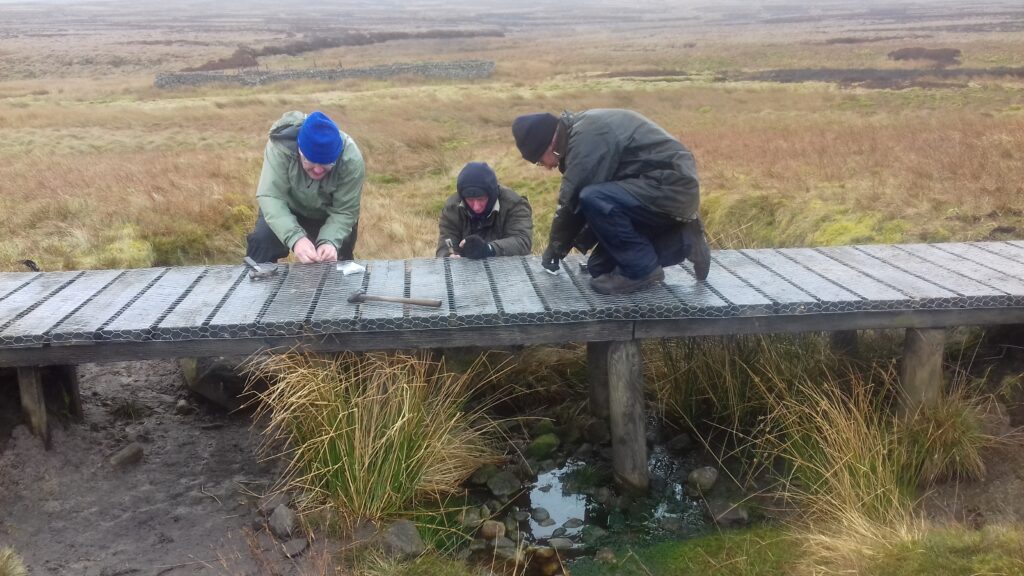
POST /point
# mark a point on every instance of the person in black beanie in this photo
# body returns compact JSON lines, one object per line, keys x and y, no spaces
{"x":626,"y":182}
{"x":483,"y":218}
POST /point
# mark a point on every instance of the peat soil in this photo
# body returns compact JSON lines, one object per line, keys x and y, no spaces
{"x":188,"y":507}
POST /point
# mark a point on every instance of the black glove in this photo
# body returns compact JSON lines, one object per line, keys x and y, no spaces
{"x":550,"y":259}
{"x":476,"y":248}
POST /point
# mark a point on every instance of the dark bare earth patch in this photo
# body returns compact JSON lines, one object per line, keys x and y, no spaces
{"x":877,"y":77}
{"x":940,"y":56}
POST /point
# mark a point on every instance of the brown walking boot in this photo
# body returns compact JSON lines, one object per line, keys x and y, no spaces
{"x":700,"y":252}
{"x":615,"y":283}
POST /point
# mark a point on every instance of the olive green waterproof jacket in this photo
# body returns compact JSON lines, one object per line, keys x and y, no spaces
{"x":509,"y":226}
{"x":285,"y":189}
{"x":607,"y":145}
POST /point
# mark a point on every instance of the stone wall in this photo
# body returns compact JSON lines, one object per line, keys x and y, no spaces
{"x":455,"y":70}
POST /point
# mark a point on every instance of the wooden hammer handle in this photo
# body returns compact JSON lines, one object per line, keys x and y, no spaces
{"x":400,"y":300}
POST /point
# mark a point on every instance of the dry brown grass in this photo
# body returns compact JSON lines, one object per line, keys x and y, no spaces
{"x":97,"y":168}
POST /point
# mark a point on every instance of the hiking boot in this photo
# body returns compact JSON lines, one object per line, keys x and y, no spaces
{"x":615,"y":283}
{"x":700,"y":253}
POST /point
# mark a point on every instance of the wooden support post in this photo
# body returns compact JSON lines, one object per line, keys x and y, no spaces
{"x":33,"y":402}
{"x":626,"y":395}
{"x":67,"y":379}
{"x":922,"y":367}
{"x":844,"y":342}
{"x":597,"y":377}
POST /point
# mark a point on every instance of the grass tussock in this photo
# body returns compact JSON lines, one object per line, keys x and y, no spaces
{"x":844,"y":455}
{"x":10,"y":563}
{"x":371,"y":435}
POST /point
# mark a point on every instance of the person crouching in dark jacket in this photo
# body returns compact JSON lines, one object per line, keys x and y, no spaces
{"x":483,"y":218}
{"x":626,"y":181}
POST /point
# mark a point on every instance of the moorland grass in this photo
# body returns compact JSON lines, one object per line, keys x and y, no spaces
{"x":168,"y":179}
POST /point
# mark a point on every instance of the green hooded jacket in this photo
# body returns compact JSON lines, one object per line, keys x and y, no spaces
{"x":622,"y":146}
{"x":509,"y":226}
{"x":285,"y":189}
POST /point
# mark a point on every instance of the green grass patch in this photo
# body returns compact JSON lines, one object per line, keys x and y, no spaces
{"x":994,"y":550}
{"x":761,"y":551}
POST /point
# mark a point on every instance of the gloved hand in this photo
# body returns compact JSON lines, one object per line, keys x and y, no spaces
{"x":475,"y":247}
{"x":550,"y":259}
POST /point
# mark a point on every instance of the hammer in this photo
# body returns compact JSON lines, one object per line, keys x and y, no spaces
{"x":361,"y":296}
{"x":257,"y":271}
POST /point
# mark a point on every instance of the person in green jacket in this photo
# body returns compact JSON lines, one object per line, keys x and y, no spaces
{"x":309,"y":192}
{"x":625,"y":181}
{"x":483,"y":218}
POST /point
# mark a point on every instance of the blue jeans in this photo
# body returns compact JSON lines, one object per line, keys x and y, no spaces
{"x":630,"y":235}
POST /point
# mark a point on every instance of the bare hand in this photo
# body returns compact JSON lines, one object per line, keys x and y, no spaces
{"x":327,"y":253}
{"x":305,"y":251}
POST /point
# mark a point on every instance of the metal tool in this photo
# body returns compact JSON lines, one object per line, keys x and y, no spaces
{"x":362,"y":296}
{"x":258,"y":271}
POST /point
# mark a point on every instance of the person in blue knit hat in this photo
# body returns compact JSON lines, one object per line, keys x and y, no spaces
{"x":484,"y":219}
{"x":309,"y":192}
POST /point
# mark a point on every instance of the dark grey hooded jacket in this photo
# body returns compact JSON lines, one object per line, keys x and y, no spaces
{"x":608,"y":145}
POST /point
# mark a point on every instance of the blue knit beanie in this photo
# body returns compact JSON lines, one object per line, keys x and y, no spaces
{"x":319,"y":139}
{"x":533,"y":134}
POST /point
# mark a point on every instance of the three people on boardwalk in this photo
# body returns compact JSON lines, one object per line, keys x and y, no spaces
{"x":629,"y":196}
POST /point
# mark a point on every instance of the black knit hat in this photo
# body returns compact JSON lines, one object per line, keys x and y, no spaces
{"x":477,"y":180}
{"x":533,"y":134}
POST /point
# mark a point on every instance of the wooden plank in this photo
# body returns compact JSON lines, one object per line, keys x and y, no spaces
{"x":471,"y":288}
{"x":843,"y":275}
{"x":921,"y":383}
{"x":597,"y":378}
{"x":910,"y":285}
{"x":984,"y":258}
{"x":387,"y":278}
{"x":655,"y":301}
{"x":293,"y":302}
{"x":801,"y":276}
{"x":142,"y":314}
{"x":967,"y":268}
{"x":333,"y":311}
{"x":936,"y":275}
{"x":762,"y":279}
{"x":84,"y":322}
{"x":11,"y":281}
{"x":32,"y":295}
{"x":696,"y":298}
{"x":1004,"y":249}
{"x":498,"y":335}
{"x":33,"y":402}
{"x":427,"y":280}
{"x":830,"y":321}
{"x":242,"y":308}
{"x":734,"y":290}
{"x":202,"y":300}
{"x":557,"y":291}
{"x":626,"y":411}
{"x":33,"y":326}
{"x":514,"y":286}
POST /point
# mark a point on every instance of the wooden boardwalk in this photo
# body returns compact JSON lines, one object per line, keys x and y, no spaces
{"x":67,"y":318}
{"x":107,"y":315}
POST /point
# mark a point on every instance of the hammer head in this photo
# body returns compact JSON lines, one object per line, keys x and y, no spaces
{"x":257,"y":271}
{"x":357,"y":297}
